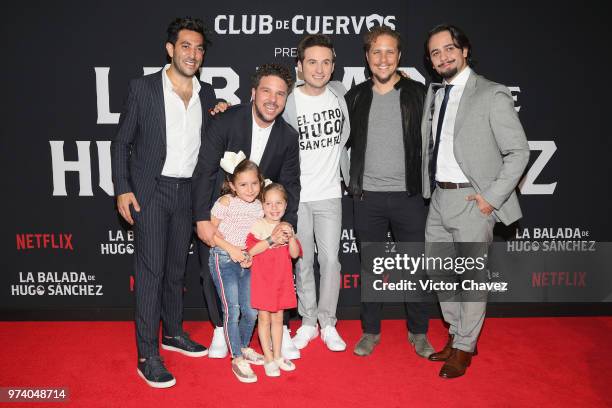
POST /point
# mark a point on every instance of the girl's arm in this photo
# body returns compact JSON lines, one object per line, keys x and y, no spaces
{"x":259,"y":247}
{"x":264,"y":244}
{"x":294,"y":247}
{"x":234,"y":252}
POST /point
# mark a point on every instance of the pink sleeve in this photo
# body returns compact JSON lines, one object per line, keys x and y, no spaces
{"x":219,"y":211}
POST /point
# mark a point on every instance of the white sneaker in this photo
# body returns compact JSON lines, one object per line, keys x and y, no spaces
{"x":284,"y":364}
{"x":271,"y":369}
{"x":218,"y":346}
{"x":304,"y":334}
{"x":242,"y":370}
{"x":252,"y":356}
{"x":288,"y":349}
{"x":332,"y":339}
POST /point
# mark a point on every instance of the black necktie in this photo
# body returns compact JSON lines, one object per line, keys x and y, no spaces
{"x":433,"y":160}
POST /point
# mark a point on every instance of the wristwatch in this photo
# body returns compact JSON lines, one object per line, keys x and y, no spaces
{"x":270,"y":241}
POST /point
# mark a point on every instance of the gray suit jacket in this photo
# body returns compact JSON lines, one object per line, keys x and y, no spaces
{"x":336,"y":88}
{"x":489,"y":144}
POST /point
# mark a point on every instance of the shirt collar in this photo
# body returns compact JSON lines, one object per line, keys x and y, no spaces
{"x":168,"y":84}
{"x":256,"y":126}
{"x":461,"y":79}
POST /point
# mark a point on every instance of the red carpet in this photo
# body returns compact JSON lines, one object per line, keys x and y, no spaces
{"x":522,"y":362}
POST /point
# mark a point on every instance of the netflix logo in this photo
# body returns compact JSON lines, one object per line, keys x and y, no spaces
{"x":546,"y":279}
{"x":44,"y":241}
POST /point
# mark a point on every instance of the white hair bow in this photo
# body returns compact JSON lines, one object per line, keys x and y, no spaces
{"x":267,"y":182}
{"x":230,"y":160}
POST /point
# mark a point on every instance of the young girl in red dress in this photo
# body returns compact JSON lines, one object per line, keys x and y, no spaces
{"x":272,"y":244}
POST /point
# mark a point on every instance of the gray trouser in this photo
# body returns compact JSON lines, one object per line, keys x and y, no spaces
{"x":321,"y":221}
{"x":452,"y":219}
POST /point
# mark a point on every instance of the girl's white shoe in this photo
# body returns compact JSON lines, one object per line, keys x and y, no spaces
{"x":271,"y":369}
{"x":284,"y":364}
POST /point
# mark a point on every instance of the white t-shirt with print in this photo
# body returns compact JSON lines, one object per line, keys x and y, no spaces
{"x":319,"y":120}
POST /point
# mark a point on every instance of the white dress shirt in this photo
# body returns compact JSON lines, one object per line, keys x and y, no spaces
{"x":259,"y":139}
{"x":447,"y":168}
{"x":183,"y":129}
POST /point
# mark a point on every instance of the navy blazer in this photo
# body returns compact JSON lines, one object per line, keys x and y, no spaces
{"x":232,"y":131}
{"x":138,"y":151}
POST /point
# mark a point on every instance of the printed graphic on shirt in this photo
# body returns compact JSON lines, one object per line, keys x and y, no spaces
{"x":319,"y":121}
{"x":320,"y":130}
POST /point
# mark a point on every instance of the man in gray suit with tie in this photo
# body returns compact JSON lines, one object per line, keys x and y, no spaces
{"x":153,"y":158}
{"x":474,"y":153}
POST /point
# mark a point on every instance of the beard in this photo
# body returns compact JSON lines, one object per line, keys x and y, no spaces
{"x":263,"y":116}
{"x":448,"y":74}
{"x":384,"y":80}
{"x":185,"y":71}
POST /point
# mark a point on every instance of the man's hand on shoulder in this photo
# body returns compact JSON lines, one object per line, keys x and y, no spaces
{"x":220,"y":107}
{"x":123,"y":206}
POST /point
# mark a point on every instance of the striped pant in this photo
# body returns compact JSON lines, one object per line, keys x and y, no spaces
{"x":162,"y":233}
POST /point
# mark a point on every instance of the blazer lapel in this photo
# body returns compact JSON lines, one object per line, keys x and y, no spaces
{"x":247,"y":125}
{"x":465,"y":103}
{"x":159,"y":109}
{"x":203,"y":105}
{"x":429,"y":107}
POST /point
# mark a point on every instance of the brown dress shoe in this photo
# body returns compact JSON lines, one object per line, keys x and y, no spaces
{"x":457,"y":364}
{"x":445,"y":353}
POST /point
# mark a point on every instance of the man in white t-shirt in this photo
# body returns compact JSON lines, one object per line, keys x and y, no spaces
{"x":317,"y":110}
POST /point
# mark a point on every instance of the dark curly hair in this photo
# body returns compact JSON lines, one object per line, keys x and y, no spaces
{"x":278,"y":70}
{"x":187,"y":23}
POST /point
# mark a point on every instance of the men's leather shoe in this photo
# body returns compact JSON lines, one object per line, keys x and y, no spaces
{"x":456,"y":365}
{"x":445,"y":353}
{"x":421,"y":344}
{"x":366,"y":344}
{"x":184,"y":345}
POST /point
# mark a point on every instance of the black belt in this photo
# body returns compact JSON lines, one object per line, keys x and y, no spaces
{"x":452,"y":186}
{"x":178,"y":180}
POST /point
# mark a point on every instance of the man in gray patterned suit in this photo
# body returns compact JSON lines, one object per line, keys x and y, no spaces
{"x":474,"y":153}
{"x":153,"y":157}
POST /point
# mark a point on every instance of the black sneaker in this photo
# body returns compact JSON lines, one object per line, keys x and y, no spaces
{"x":184,"y":345}
{"x":153,"y":371}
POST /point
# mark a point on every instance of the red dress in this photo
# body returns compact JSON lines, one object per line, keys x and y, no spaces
{"x":272,"y":286}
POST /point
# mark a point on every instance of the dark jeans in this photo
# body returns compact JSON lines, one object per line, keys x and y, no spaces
{"x":374,"y":214}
